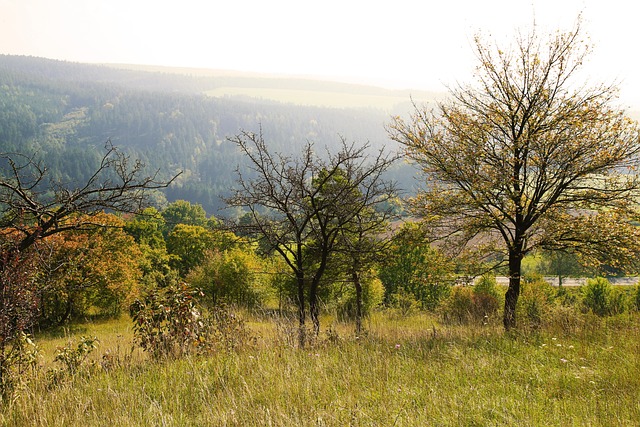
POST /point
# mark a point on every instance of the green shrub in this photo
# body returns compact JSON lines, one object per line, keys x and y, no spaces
{"x":230,"y":277}
{"x":433,"y":293}
{"x":417,"y":268}
{"x":404,"y":302}
{"x":486,"y":285}
{"x":567,"y":297}
{"x":485,"y":306}
{"x":73,"y":358}
{"x":599,"y":297}
{"x":19,"y":359}
{"x":486,"y":297}
{"x":459,"y":307}
{"x":471,"y":304}
{"x":535,"y":301}
{"x":372,"y":297}
{"x":168,"y":323}
{"x":636,"y":297}
{"x":618,"y":302}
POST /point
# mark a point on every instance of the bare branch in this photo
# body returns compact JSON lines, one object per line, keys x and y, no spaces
{"x":39,"y":209}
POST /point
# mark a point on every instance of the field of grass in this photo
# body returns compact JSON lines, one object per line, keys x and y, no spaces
{"x":298,"y":90}
{"x":407,"y":371}
{"x":315,"y":97}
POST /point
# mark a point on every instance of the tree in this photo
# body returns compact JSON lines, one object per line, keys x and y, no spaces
{"x":33,"y":206}
{"x":156,"y":263}
{"x":183,"y":212}
{"x":189,"y":243}
{"x":293,"y":203}
{"x":529,"y":157}
{"x":414,"y":269}
{"x":87,"y":270}
{"x":146,"y":228}
{"x":361,"y":240}
{"x":18,"y":303}
{"x":561,"y":264}
{"x":36,"y":206}
{"x":231,"y":277}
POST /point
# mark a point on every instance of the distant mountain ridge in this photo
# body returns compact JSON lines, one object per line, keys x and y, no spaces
{"x":179,"y":120}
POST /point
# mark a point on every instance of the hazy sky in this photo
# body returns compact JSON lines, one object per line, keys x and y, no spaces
{"x":417,"y":44}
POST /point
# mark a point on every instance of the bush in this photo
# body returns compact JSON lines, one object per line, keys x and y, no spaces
{"x":167,"y":322}
{"x":18,"y":359}
{"x":415,"y":267}
{"x":599,"y":297}
{"x":535,"y":301}
{"x":230,"y":277}
{"x":485,"y":306}
{"x":72,"y":359}
{"x":471,"y":304}
{"x":432,"y":294}
{"x":618,"y":302}
{"x":486,"y":297}
{"x":567,"y":297}
{"x":404,"y":302}
{"x":636,"y":297}
{"x":372,"y":297}
{"x":458,"y":308}
{"x":486,"y":285}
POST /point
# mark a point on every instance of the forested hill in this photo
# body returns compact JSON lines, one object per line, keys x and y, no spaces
{"x":175,"y":121}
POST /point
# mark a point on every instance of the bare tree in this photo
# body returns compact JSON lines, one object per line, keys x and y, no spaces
{"x":364,"y":242}
{"x":528,"y":156}
{"x":37,"y":207}
{"x":365,"y":221}
{"x":299,"y":206}
{"x":33,"y":207}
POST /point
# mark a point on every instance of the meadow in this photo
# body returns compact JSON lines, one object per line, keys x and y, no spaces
{"x":383,"y":101}
{"x":406,"y":371}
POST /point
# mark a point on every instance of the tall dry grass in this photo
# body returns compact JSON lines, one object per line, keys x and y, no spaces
{"x":406,"y":371}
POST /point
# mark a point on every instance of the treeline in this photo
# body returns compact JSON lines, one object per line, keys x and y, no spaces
{"x":102,"y":271}
{"x":65,"y":112}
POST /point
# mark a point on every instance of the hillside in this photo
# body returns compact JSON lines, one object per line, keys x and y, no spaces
{"x":179,"y":120}
{"x":299,"y":90}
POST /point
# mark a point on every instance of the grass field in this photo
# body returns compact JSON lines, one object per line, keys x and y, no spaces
{"x":407,"y":371}
{"x":316,"y":97}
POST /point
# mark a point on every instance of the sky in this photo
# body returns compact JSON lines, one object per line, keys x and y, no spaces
{"x":412,"y":44}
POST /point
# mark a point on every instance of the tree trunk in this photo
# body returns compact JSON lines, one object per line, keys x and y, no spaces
{"x":67,"y":311}
{"x":356,"y":282}
{"x":314,"y":307}
{"x":511,"y":297}
{"x":314,"y":310}
{"x":301,"y":311}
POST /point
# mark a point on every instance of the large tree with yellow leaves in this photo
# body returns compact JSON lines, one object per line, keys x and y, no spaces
{"x":527,"y":157}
